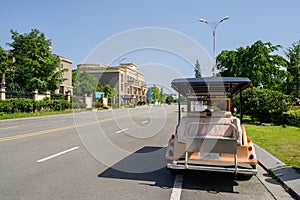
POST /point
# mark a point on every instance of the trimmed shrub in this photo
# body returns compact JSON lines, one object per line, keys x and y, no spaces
{"x":58,"y":105}
{"x":291,"y":117}
{"x":29,"y":105}
{"x":140,"y":103}
{"x":77,"y":103}
{"x":264,"y":104}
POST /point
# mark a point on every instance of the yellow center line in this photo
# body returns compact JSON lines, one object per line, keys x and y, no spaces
{"x":25,"y":135}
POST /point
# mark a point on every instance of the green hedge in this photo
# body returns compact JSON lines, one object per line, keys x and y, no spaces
{"x":29,"y":105}
{"x":263,"y":104}
{"x":291,"y":117}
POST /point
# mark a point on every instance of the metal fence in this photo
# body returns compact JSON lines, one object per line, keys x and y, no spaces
{"x":10,"y":95}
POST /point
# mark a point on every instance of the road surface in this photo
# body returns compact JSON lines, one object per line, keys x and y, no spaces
{"x":114,"y":154}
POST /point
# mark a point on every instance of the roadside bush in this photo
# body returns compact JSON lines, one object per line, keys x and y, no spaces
{"x":264,"y":104}
{"x":58,"y":105}
{"x":17,"y":105}
{"x":291,"y":117}
{"x":29,"y":105}
{"x":77,"y":103}
{"x":140,"y":103}
{"x":98,"y":105}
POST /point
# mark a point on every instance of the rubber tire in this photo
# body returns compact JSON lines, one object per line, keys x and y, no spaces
{"x":244,"y":177}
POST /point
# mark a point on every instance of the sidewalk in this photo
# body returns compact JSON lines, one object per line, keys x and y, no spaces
{"x":285,"y":174}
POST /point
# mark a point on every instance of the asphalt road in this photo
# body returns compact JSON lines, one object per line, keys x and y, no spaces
{"x":115,"y":154}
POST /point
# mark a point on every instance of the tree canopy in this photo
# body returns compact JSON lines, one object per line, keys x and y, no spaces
{"x":257,"y":62}
{"x":34,"y":67}
{"x":155,"y":93}
{"x":293,"y":67}
{"x":84,"y":83}
{"x":4,"y":62}
{"x":107,"y":90}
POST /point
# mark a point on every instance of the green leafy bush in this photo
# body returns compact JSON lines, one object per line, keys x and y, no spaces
{"x":291,"y":117}
{"x":29,"y":105}
{"x":77,"y":103}
{"x":264,"y":104}
{"x":58,"y":105}
{"x":98,"y":104}
{"x":140,"y":103}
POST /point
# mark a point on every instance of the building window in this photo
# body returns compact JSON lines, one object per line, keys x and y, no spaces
{"x":61,"y":90}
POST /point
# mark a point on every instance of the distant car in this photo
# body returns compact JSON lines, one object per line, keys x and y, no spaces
{"x":208,"y":137}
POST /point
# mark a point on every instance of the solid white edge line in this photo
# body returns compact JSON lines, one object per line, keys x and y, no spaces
{"x":125,"y":129}
{"x":58,"y":154}
{"x":176,"y":191}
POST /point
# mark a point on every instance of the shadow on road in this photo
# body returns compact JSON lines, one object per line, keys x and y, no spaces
{"x":212,"y":182}
{"x":161,"y":177}
{"x":194,"y":180}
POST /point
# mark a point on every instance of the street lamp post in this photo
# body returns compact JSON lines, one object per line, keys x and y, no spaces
{"x":213,"y":26}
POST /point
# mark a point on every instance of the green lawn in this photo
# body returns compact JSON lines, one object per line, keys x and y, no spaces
{"x":283,"y":143}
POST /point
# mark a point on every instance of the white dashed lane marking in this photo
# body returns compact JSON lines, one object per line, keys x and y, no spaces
{"x":120,"y":131}
{"x":176,"y":191}
{"x":57,"y":154}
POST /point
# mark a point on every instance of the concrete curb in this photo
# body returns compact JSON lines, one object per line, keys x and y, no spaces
{"x":286,"y":175}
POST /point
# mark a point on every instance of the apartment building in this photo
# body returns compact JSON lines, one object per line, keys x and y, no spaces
{"x":126,"y":78}
{"x":65,"y":87}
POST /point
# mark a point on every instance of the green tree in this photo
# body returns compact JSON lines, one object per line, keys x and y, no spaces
{"x":155,"y":93}
{"x":84,"y":83}
{"x":257,"y":62}
{"x":34,"y":67}
{"x":107,"y":89}
{"x":293,"y":67}
{"x":169,"y":99}
{"x":161,"y":95}
{"x":4,"y":63}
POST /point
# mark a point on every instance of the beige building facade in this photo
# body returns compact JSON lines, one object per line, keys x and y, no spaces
{"x":66,"y":87}
{"x":126,"y":78}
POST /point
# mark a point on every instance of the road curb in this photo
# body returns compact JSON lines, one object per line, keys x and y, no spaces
{"x":286,"y":175}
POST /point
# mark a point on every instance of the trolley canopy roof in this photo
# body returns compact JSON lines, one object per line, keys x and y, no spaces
{"x":211,"y":86}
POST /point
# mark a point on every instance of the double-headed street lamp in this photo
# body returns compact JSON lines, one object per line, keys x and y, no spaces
{"x":213,"y":26}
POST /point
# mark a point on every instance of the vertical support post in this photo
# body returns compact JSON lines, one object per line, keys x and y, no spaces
{"x":179,"y":110}
{"x":35,"y":94}
{"x":48,"y":94}
{"x":214,"y":52}
{"x":68,"y":94}
{"x":2,"y":93}
{"x":241,"y":106}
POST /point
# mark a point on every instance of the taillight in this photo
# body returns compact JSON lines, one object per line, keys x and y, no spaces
{"x":250,"y":148}
{"x":251,"y":156}
{"x":173,"y":136}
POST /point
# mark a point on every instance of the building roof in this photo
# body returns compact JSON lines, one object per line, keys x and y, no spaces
{"x":63,"y":58}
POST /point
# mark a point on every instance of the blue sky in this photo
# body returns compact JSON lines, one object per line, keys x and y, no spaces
{"x":77,"y":27}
